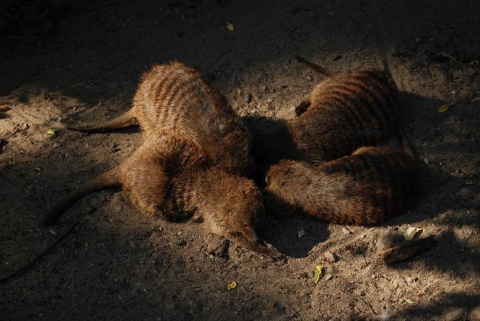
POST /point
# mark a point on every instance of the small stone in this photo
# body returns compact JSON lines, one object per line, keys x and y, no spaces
{"x":117,"y":208}
{"x":346,"y":231}
{"x":218,"y":246}
{"x":57,"y":145}
{"x":328,"y":277}
{"x":309,"y":78}
{"x":330,"y":257}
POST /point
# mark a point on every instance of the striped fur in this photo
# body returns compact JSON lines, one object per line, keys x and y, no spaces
{"x":365,"y":188}
{"x":344,"y":112}
{"x":170,"y":177}
{"x":174,"y":97}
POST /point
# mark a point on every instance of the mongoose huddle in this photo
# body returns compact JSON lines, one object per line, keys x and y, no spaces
{"x":336,"y":163}
{"x":194,"y":160}
{"x":170,"y":177}
{"x":197,"y":159}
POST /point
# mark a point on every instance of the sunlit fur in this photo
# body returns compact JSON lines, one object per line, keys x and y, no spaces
{"x":170,"y":177}
{"x":174,"y":97}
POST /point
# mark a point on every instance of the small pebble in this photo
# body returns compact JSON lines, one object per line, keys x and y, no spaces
{"x":330,"y":257}
{"x":346,"y":231}
{"x":328,"y":277}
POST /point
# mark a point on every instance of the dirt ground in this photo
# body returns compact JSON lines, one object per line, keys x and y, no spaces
{"x":118,"y":264}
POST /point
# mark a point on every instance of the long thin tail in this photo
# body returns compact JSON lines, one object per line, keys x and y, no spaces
{"x":124,"y":120}
{"x":104,"y":181}
{"x":317,"y":68}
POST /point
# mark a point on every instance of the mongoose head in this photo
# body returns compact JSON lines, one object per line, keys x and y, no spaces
{"x":246,"y":212}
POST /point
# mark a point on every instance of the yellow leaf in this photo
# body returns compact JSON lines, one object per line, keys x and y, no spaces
{"x":411,"y":232}
{"x":410,"y":301}
{"x":317,"y":274}
{"x":474,"y":100}
{"x":231,"y":286}
{"x":445,"y":107}
{"x":51,"y":131}
{"x":230,"y":26}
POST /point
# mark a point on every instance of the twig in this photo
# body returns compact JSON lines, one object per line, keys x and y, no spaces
{"x":42,"y":253}
{"x":402,"y":252}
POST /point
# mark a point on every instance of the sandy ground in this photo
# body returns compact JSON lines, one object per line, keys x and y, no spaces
{"x":118,"y":264}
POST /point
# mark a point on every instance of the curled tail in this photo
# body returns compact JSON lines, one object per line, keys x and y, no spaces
{"x":317,"y":68}
{"x":124,"y":120}
{"x":104,"y":181}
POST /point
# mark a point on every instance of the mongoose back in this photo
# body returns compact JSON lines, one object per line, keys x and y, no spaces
{"x":177,"y":98}
{"x":344,"y":112}
{"x":365,"y":188}
{"x":170,"y":177}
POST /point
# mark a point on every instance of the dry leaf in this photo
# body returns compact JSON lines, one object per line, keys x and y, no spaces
{"x":231,"y":285}
{"x":230,"y":26}
{"x":474,"y":100}
{"x":410,"y":301}
{"x":411,"y":232}
{"x":317,"y":274}
{"x":447,"y":55}
{"x":445,"y":107}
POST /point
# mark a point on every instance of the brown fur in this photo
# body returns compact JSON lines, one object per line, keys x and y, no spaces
{"x":170,"y":177}
{"x":367,"y":187}
{"x":344,"y":112}
{"x":174,"y":97}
